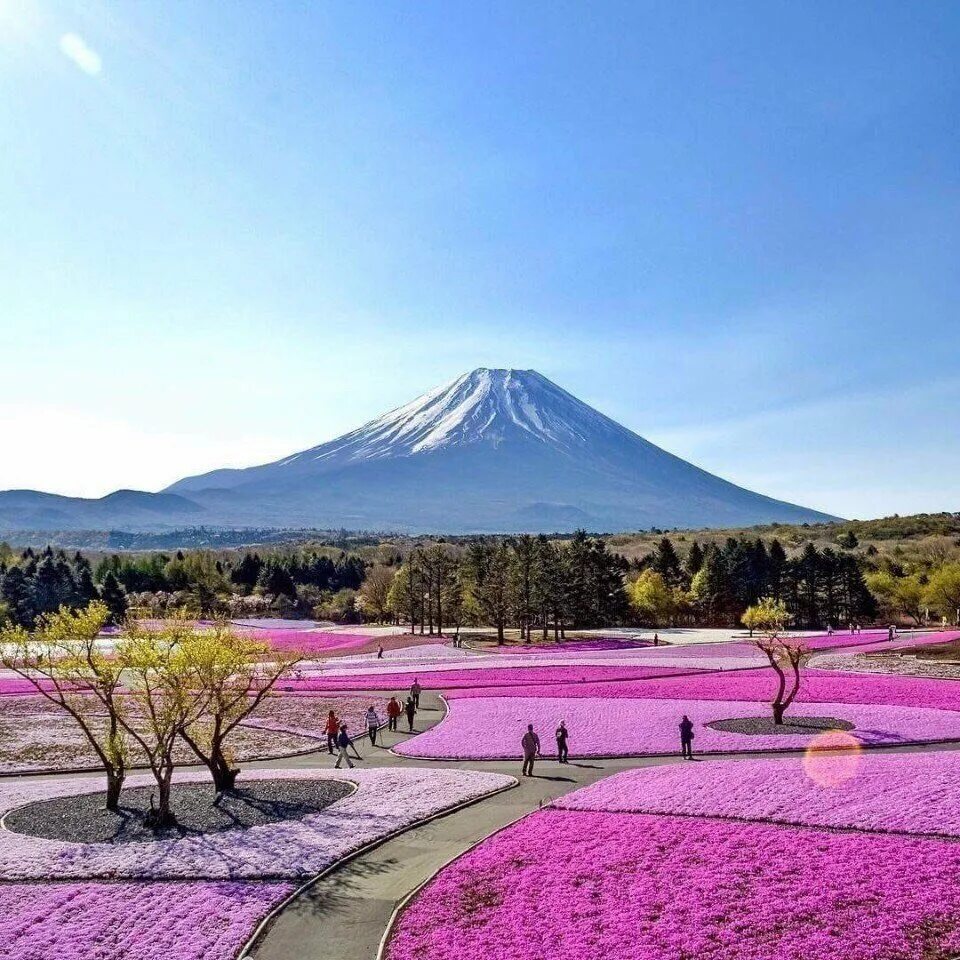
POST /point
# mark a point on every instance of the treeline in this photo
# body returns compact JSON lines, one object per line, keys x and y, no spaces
{"x":33,"y":584}
{"x":714,"y":585}
{"x":287,"y":583}
{"x":522,"y":582}
{"x":531,"y":584}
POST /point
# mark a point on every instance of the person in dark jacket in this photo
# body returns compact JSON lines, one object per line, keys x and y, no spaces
{"x":562,"y":734}
{"x":344,"y":743}
{"x":531,"y":747}
{"x":411,"y":709}
{"x":686,"y":737}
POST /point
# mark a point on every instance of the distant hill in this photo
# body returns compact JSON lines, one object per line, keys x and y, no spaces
{"x":493,"y":451}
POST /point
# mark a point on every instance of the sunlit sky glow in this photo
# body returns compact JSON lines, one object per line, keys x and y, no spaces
{"x":233,"y":232}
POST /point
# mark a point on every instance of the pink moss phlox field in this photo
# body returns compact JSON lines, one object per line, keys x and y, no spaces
{"x":454,"y":679}
{"x":491,"y":728}
{"x":571,"y":885}
{"x":307,"y":716}
{"x":308,"y":641}
{"x":572,"y":646}
{"x":904,"y":793}
{"x":121,"y":921}
{"x":817,"y":686}
{"x":388,"y":799}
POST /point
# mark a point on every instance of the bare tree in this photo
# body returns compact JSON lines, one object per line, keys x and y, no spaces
{"x":163,"y":700}
{"x":233,"y":675}
{"x":786,"y":655}
{"x":66,"y":663}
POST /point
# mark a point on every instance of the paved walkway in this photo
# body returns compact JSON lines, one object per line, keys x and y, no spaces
{"x":345,"y":915}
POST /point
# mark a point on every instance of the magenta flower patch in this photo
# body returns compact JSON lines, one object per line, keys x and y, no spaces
{"x":121,"y":921}
{"x":910,"y":793}
{"x":581,"y":885}
{"x":491,"y":727}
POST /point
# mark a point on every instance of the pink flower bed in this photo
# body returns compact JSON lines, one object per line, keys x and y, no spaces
{"x":489,"y":728}
{"x":307,"y":716}
{"x":756,"y":684}
{"x":581,"y":885}
{"x":572,"y":646}
{"x":905,"y":793}
{"x":120,"y":921}
{"x":454,"y":679}
{"x":309,"y":641}
{"x":387,"y":800}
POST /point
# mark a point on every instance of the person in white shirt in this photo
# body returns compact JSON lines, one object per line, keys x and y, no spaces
{"x":373,"y":724}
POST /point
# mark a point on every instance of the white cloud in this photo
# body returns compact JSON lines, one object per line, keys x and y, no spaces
{"x":75,"y":48}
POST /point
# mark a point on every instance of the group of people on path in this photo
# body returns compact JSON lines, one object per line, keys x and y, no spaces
{"x":341,"y":743}
{"x":530,"y":744}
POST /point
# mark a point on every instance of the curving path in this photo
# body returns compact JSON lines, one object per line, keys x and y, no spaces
{"x":346,"y":914}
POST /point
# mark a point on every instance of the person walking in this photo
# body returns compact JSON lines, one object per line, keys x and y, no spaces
{"x":332,"y":729}
{"x":393,"y":713}
{"x":343,"y":745}
{"x":373,"y":724}
{"x":380,"y":652}
{"x":415,"y":691}
{"x":531,"y":747}
{"x":686,"y":737}
{"x":411,"y":708}
{"x":562,"y":734}
{"x":656,"y":639}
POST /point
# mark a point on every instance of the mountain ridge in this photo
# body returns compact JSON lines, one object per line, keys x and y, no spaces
{"x":494,"y":450}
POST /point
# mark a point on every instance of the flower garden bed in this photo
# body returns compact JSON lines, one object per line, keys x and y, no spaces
{"x":489,"y":728}
{"x":817,"y":686}
{"x":127,"y":919}
{"x":903,"y":793}
{"x":200,"y":896}
{"x":572,"y":885}
{"x":387,"y":800}
{"x":36,"y":736}
{"x":528,"y":674}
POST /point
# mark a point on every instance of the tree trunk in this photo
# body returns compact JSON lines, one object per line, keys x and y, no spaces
{"x":500,"y":633}
{"x":115,"y":779}
{"x":224,"y":776}
{"x":160,"y":815}
{"x":778,"y":709}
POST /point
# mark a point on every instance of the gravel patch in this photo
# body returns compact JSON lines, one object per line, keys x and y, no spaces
{"x":764,"y":726}
{"x":83,"y":818}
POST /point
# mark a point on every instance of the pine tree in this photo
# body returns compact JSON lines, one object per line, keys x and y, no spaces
{"x":667,"y":563}
{"x":694,"y":561}
{"x":16,"y":594}
{"x":113,"y":595}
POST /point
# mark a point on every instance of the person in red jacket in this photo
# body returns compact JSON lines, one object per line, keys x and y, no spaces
{"x":393,"y":713}
{"x":332,"y":729}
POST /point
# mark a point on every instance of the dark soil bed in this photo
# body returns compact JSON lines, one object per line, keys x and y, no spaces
{"x":795,"y":726}
{"x":83,"y":819}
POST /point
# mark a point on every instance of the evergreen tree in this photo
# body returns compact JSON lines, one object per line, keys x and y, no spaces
{"x":246,"y":573}
{"x":694,"y":561}
{"x":112,"y":594}
{"x":667,"y":563}
{"x":16,"y":594}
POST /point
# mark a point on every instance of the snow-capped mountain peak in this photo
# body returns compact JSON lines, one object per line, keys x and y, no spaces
{"x":483,"y":406}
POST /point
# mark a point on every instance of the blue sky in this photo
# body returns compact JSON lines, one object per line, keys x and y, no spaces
{"x":231,"y":231}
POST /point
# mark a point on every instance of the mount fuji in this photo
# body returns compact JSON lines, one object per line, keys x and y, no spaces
{"x":492,"y":451}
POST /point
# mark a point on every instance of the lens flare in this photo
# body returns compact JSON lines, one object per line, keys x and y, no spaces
{"x":832,"y":758}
